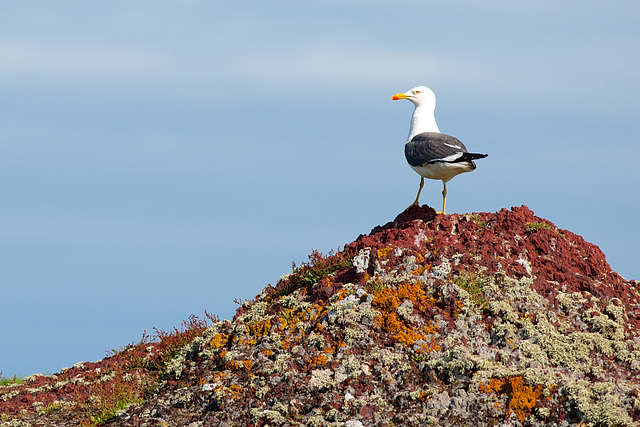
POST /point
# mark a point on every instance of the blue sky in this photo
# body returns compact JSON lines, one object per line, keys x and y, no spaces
{"x":161,"y":158}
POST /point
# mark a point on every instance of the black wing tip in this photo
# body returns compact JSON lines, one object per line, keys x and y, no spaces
{"x":471,"y":156}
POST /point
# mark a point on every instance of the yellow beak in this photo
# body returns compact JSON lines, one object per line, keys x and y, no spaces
{"x":398,"y":96}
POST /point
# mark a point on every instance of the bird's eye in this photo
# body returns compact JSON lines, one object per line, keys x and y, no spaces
{"x":417,"y":92}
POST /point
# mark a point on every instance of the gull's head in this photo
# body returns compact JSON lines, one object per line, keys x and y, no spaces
{"x":420,"y":96}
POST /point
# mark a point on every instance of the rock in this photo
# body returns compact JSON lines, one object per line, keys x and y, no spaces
{"x":449,"y":320}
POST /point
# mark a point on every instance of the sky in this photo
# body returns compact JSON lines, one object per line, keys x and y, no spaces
{"x":162,"y":158}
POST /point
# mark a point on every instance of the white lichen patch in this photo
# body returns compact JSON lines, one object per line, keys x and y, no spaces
{"x":441,"y":271}
{"x":338,"y":311}
{"x":321,"y":379}
{"x":523,"y":261}
{"x":6,"y":396}
{"x":361,"y":261}
{"x":34,"y":377}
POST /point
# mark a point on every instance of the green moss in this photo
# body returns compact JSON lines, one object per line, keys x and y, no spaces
{"x":478,"y":220}
{"x":474,"y":286}
{"x":533,"y":227}
{"x":7,"y":381}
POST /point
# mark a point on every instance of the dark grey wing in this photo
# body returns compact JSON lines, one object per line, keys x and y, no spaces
{"x":430,"y":147}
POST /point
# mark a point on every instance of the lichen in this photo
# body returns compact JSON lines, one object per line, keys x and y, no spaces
{"x":521,"y":397}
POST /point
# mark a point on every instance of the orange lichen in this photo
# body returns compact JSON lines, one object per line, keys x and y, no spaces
{"x":382,"y":252}
{"x":457,"y":308}
{"x":233,"y":391}
{"x":521,"y":397}
{"x":237,"y":365}
{"x":400,"y":332}
{"x":291,"y":317}
{"x":257,"y":331}
{"x":418,"y":271}
{"x":320,"y":359}
{"x":218,"y":340}
{"x":424,"y":266}
{"x":389,"y":299}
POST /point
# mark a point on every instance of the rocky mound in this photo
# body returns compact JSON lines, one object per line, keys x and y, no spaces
{"x":448,"y":320}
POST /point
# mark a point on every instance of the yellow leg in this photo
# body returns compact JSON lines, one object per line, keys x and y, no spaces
{"x":444,"y":198}
{"x":415,"y":202}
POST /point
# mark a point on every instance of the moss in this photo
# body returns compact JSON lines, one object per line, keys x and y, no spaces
{"x":53,"y":407}
{"x":475,"y":218}
{"x":533,"y":227}
{"x":474,"y":285}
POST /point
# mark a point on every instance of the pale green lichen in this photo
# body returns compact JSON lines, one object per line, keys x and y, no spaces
{"x":455,"y":363}
{"x":241,"y":329}
{"x":263,"y":391}
{"x":316,"y":340}
{"x":616,"y":309}
{"x":387,"y":357}
{"x":256,"y":313}
{"x":597,"y":402}
{"x":291,"y":300}
{"x":364,"y":314}
{"x":273,"y":416}
{"x":351,"y":366}
{"x":281,"y":365}
{"x":573,"y":300}
{"x":352,"y":335}
{"x":331,"y":414}
{"x":275,"y":338}
{"x":406,"y":310}
{"x":603,"y":324}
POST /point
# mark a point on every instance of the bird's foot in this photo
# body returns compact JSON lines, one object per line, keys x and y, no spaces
{"x":410,"y":206}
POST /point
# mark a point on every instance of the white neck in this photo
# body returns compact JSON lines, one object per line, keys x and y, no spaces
{"x":423,"y":120}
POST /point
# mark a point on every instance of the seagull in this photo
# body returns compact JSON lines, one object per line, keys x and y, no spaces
{"x":430,"y":153}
